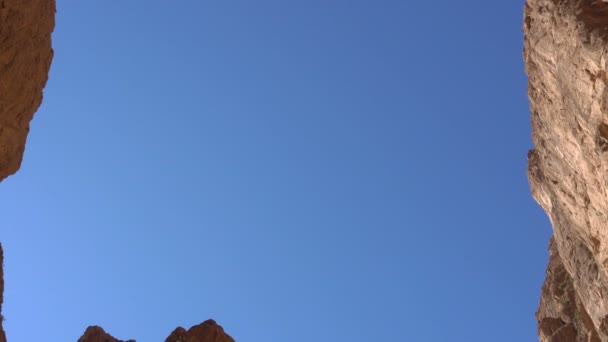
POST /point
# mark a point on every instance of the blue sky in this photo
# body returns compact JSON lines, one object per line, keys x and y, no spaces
{"x":297,"y":170}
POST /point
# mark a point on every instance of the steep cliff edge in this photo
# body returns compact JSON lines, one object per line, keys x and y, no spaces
{"x":565,"y":52}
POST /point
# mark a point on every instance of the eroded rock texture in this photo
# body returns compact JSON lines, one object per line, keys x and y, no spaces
{"x":566,"y":50}
{"x":25,"y":59}
{"x":562,"y":315}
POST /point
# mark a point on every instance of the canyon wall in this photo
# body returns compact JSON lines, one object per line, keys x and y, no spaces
{"x":25,"y":59}
{"x":565,"y":53}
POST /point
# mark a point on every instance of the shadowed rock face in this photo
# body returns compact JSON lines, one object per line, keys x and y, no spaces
{"x":25,"y":59}
{"x":97,"y":334}
{"x":207,"y":331}
{"x":565,"y":53}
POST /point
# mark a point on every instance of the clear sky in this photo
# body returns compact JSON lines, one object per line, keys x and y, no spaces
{"x":319,"y":170}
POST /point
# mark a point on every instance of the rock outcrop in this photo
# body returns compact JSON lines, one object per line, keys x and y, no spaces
{"x":25,"y":60}
{"x":208,"y":331}
{"x":566,"y":51}
{"x":97,"y":334}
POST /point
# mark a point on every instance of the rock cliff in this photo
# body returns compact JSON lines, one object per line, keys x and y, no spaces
{"x":565,"y":53}
{"x":25,"y":59}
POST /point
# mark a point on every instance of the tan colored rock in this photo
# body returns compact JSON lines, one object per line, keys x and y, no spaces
{"x":566,"y":50}
{"x":562,"y":315}
{"x":25,"y":59}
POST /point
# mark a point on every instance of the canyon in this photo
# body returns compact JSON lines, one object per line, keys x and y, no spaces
{"x":565,"y":55}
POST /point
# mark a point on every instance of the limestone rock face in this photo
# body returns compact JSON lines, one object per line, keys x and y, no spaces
{"x":25,"y":59}
{"x":565,"y":53}
{"x":562,"y":315}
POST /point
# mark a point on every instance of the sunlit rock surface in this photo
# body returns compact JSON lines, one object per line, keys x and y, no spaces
{"x":566,"y":46}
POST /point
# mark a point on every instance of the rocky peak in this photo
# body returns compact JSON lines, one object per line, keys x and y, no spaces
{"x":97,"y":334}
{"x":208,"y":331}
